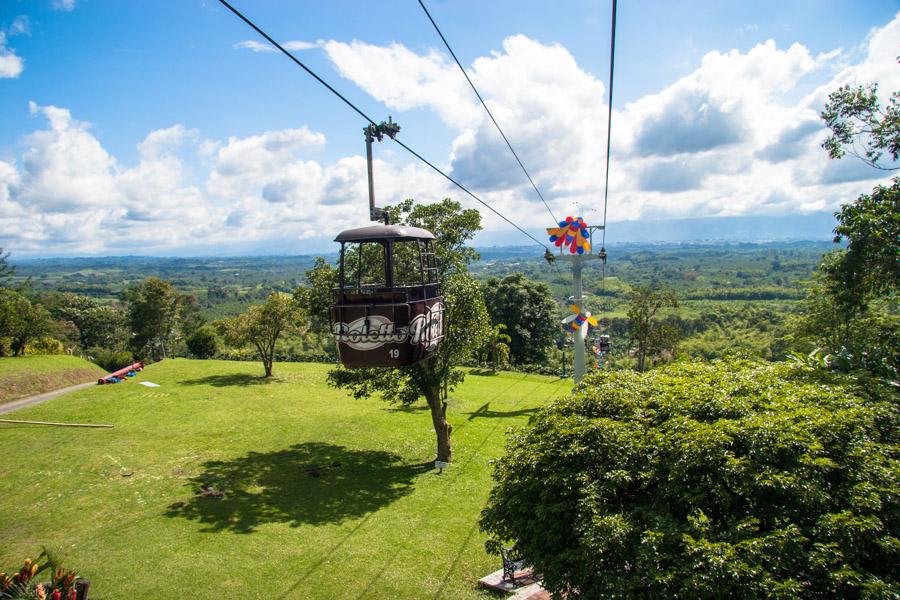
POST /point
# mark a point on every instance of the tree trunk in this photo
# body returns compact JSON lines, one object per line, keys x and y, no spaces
{"x":441,"y":427}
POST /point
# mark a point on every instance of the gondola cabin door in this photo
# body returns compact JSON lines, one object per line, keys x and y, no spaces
{"x":388,"y":310}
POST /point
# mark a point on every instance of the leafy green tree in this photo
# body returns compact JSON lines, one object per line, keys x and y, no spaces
{"x":98,"y":324}
{"x":262,"y":325}
{"x":496,"y":347}
{"x":12,"y":306}
{"x":725,"y":479}
{"x":20,"y":321}
{"x":154,"y":309}
{"x":650,"y":336}
{"x":527,"y":309}
{"x":870,"y":265}
{"x":203,"y":343}
{"x":6,"y":270}
{"x":317,"y":297}
{"x":856,"y":118}
{"x":852,"y":309}
{"x":35,"y":323}
{"x":466,"y":322}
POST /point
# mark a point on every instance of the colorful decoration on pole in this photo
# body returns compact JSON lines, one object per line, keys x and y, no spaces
{"x":572,"y":234}
{"x":579,"y":319}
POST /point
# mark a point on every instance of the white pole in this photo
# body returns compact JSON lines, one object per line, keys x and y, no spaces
{"x":579,"y":336}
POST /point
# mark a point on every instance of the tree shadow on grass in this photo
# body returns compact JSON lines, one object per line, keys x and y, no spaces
{"x":483,"y":373}
{"x":408,"y":409}
{"x":312,"y":483}
{"x":484,"y":411}
{"x":231,"y":379}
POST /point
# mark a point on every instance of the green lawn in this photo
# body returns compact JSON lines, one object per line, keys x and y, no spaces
{"x":22,"y":376}
{"x":327,"y":497}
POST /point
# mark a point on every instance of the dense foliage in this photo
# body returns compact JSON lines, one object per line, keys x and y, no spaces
{"x":466,"y":323}
{"x":109,"y":358}
{"x":262,"y":325}
{"x":20,"y":321}
{"x":650,"y":336}
{"x":154,"y":315}
{"x":527,"y":309}
{"x":853,"y":307}
{"x":703,"y":480}
{"x":203,"y":343}
{"x":857,"y":119}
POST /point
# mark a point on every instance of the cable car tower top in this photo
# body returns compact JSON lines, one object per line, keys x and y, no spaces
{"x":377,"y":132}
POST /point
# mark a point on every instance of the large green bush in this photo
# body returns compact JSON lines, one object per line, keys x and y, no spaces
{"x":109,"y":359}
{"x":702,"y":480}
{"x":203,"y":343}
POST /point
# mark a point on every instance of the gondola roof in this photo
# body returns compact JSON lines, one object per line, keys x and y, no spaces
{"x":375,"y":233}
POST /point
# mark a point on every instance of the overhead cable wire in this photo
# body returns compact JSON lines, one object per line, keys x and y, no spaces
{"x":369,"y":119}
{"x":497,"y":125}
{"x":612,"y":63}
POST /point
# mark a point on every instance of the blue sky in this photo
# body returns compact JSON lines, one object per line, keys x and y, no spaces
{"x":148,"y":127}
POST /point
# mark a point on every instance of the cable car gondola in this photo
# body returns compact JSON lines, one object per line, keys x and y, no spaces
{"x":388,"y":310}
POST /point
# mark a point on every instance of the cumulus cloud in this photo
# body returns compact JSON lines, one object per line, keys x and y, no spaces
{"x":740,"y":135}
{"x":730,"y":138}
{"x":11,"y":65}
{"x":404,"y":80}
{"x":67,"y":193}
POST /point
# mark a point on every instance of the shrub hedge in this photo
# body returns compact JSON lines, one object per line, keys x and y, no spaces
{"x":702,"y":480}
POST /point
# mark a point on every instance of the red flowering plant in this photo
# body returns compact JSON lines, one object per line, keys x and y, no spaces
{"x":22,"y":584}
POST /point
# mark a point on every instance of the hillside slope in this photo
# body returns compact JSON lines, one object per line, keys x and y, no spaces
{"x":23,"y":376}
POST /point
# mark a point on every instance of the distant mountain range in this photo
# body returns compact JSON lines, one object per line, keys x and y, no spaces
{"x":815,"y":226}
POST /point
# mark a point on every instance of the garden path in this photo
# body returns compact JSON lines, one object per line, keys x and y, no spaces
{"x":23,"y":402}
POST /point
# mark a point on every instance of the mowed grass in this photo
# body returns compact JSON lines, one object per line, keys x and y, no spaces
{"x":325,"y":496}
{"x":22,"y":376}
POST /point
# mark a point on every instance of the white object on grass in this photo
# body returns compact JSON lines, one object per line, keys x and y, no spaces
{"x":149,"y":384}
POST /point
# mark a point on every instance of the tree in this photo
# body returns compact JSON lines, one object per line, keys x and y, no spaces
{"x":12,"y":306}
{"x":97,"y":324}
{"x":724,"y":479}
{"x":856,"y":118}
{"x":852,"y":306}
{"x":496,"y":347}
{"x":203,"y":343}
{"x":650,"y":336}
{"x":154,"y":315}
{"x":6,"y":271}
{"x":34,"y":323}
{"x":851,"y":312}
{"x":317,"y":297}
{"x":262,"y":325}
{"x":870,"y":265}
{"x":466,"y":322}
{"x":20,"y":321}
{"x":529,"y":313}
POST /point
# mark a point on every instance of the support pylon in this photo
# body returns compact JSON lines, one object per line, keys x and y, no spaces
{"x":577,"y":261}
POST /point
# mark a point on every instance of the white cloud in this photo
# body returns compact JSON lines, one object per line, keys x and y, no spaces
{"x":404,"y":80}
{"x":739,"y":135}
{"x":11,"y":65}
{"x":20,"y":26}
{"x":66,"y":5}
{"x":730,"y":138}
{"x":256,"y":46}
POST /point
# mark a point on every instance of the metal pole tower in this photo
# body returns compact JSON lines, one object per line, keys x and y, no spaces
{"x":577,"y":261}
